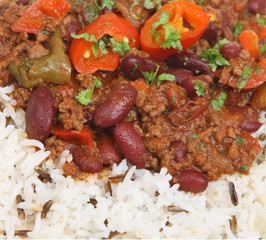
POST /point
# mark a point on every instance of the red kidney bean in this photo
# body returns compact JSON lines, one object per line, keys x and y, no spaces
{"x":130,"y":144}
{"x":74,"y":27}
{"x":108,"y":151}
{"x":189,"y":61}
{"x":180,"y":74}
{"x":250,"y":123}
{"x":230,"y":50}
{"x":180,"y":151}
{"x":233,"y":98}
{"x":192,"y":181}
{"x":40,"y":114}
{"x":85,"y":160}
{"x":116,"y":106}
{"x":24,"y":2}
{"x":190,"y":83}
{"x":257,"y":6}
{"x":133,"y":66}
{"x":210,"y":34}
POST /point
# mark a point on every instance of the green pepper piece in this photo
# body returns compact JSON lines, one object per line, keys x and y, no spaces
{"x":20,"y":72}
{"x":54,"y":67}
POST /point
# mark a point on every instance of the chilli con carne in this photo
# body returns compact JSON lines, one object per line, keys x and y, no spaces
{"x":173,"y":84}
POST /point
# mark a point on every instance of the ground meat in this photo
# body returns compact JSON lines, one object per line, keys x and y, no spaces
{"x":37,"y":51}
{"x":21,"y":95}
{"x":71,"y":114}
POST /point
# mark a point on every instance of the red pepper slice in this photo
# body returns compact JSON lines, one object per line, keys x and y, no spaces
{"x":257,"y":77}
{"x":179,"y":12}
{"x":249,"y":40}
{"x":39,"y":12}
{"x":85,"y":137}
{"x":107,"y":24}
{"x":251,"y":142}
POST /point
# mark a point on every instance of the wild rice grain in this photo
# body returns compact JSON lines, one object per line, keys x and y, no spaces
{"x":108,"y":188}
{"x":233,"y":225}
{"x":43,"y":174}
{"x":46,"y":208}
{"x":176,"y":209}
{"x":93,"y":202}
{"x":21,"y":213}
{"x":233,"y":194}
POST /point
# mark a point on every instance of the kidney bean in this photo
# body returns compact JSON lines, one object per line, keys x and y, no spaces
{"x":74,"y":27}
{"x":233,"y":98}
{"x":189,"y":61}
{"x":192,"y":181}
{"x":190,"y":83}
{"x":180,"y":74}
{"x":130,"y":144}
{"x":133,"y":66}
{"x":40,"y":113}
{"x":257,"y":6}
{"x":108,"y":151}
{"x":180,"y":151}
{"x":210,"y":34}
{"x":250,"y":123}
{"x":85,"y":160}
{"x":230,"y":50}
{"x":116,"y":106}
{"x":24,"y":2}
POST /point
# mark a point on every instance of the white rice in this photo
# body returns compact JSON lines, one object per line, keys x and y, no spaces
{"x":135,"y":209}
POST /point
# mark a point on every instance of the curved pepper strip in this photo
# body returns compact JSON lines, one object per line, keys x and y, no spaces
{"x":179,"y":11}
{"x":41,"y":11}
{"x":54,"y":67}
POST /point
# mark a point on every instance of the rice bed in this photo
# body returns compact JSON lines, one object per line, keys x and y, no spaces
{"x":138,"y":208}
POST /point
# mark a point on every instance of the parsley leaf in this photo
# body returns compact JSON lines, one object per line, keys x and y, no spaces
{"x":262,"y":49}
{"x":150,"y":76}
{"x":107,"y":4}
{"x":218,"y":103}
{"x":200,"y":2}
{"x":171,"y":38}
{"x":259,"y":70}
{"x":91,"y":11}
{"x":84,"y":97}
{"x":214,"y":57}
{"x":240,"y":141}
{"x":246,"y":72}
{"x":260,"y":20}
{"x":148,"y":4}
{"x":163,"y":19}
{"x":120,"y":48}
{"x":243,"y":168}
{"x":199,"y":87}
{"x":172,"y":100}
{"x":238,"y":29}
{"x":165,"y":77}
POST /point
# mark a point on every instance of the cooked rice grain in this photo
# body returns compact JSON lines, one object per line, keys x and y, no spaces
{"x":137,"y":208}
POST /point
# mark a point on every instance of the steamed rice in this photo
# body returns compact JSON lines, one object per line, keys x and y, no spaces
{"x":137,"y":208}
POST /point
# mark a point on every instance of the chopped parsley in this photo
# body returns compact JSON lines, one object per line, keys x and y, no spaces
{"x":150,"y":76}
{"x":165,"y":77}
{"x":260,"y":20}
{"x":262,"y":49}
{"x":171,"y":38}
{"x":84,"y":97}
{"x":243,"y":168}
{"x":259,"y":70}
{"x":218,"y":103}
{"x":186,"y":59}
{"x":199,"y":87}
{"x":136,"y":66}
{"x":238,"y":29}
{"x":91,"y":11}
{"x":148,"y":4}
{"x":107,"y":4}
{"x":172,"y":100}
{"x":120,"y":48}
{"x":102,"y":44}
{"x":201,"y":147}
{"x":44,"y":32}
{"x":128,"y":117}
{"x":240,"y":141}
{"x":214,"y":57}
{"x":244,"y":78}
{"x":200,"y":2}
{"x":195,"y":136}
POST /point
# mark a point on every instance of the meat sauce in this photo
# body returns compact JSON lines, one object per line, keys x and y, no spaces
{"x":185,"y":112}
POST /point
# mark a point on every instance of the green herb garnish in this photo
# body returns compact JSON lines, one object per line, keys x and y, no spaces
{"x":259,"y":70}
{"x":150,"y":76}
{"x":84,"y":97}
{"x":260,"y":20}
{"x":238,"y":29}
{"x":218,"y":103}
{"x":240,"y":141}
{"x":165,"y":77}
{"x":199,"y":87}
{"x":246,"y":72}
{"x":243,"y":168}
{"x":262,"y":49}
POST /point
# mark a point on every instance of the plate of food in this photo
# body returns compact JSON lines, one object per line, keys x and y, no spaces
{"x":132,"y":119}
